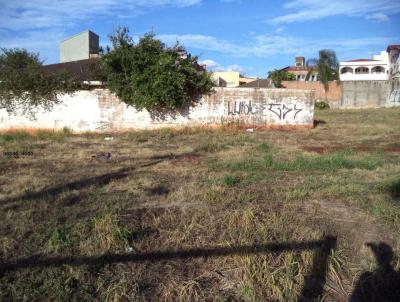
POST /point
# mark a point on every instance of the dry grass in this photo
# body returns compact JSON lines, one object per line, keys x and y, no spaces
{"x":200,"y":190}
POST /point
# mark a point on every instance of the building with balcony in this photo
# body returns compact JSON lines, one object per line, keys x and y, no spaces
{"x":375,"y":69}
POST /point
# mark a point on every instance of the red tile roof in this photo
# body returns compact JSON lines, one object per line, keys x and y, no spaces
{"x":391,"y":47}
{"x":361,"y":60}
{"x":297,"y":68}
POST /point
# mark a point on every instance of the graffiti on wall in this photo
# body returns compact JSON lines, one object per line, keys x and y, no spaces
{"x":281,"y":110}
{"x":240,"y":108}
{"x":394,"y":98}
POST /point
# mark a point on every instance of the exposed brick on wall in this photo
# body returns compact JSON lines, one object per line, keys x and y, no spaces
{"x":100,"y":110}
{"x":333,"y":94}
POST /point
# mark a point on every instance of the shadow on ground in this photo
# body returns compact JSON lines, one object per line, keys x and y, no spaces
{"x":382,"y":284}
{"x":100,"y":180}
{"x":313,"y":285}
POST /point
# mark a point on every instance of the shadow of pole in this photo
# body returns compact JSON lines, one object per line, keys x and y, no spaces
{"x":314,"y":283}
{"x":43,"y":262}
{"x":100,"y":180}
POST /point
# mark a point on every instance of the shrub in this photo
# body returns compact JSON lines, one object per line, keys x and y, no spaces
{"x":322,"y":105}
{"x":25,"y":87}
{"x":277,"y":76}
{"x":150,"y":75}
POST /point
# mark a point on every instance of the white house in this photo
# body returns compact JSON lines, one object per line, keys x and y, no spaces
{"x":375,"y":69}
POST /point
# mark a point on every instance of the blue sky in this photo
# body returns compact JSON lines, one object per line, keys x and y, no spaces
{"x":250,"y":36}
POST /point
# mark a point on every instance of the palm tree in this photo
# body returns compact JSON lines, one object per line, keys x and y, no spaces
{"x":327,"y":65}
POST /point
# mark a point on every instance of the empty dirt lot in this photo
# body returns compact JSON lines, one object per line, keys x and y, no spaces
{"x":203,"y":214}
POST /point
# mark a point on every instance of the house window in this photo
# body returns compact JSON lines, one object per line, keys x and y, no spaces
{"x":346,"y":70}
{"x":378,"y":69}
{"x":362,"y":70}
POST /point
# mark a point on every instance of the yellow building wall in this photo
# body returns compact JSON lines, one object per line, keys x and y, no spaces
{"x":230,"y":77}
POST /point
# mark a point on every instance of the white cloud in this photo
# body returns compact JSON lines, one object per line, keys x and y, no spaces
{"x":316,"y":9}
{"x":210,"y":64}
{"x":34,"y":14}
{"x":263,"y":46}
{"x":280,"y":29}
{"x":39,"y":25}
{"x":214,"y":66}
{"x":379,"y":17}
{"x":207,"y":43}
{"x":34,"y":41}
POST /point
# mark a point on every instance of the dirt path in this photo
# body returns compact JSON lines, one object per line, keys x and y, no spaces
{"x":360,"y":226}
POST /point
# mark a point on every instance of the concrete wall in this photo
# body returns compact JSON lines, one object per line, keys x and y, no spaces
{"x":99,"y":110}
{"x":333,"y":95}
{"x":369,"y":94}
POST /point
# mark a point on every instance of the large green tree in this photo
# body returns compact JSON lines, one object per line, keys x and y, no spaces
{"x":327,"y":66}
{"x":277,"y":76}
{"x":150,"y":75}
{"x":25,"y":87}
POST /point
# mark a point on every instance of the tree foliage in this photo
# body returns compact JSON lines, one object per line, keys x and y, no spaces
{"x":25,"y":87}
{"x":277,"y":76}
{"x":150,"y":75}
{"x":327,"y":65}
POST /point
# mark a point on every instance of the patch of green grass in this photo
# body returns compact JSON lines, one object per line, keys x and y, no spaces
{"x":211,"y":147}
{"x":58,"y":241}
{"x":230,"y":180}
{"x":325,"y":163}
{"x":296,"y":193}
{"x":53,"y":135}
{"x":387,"y":210}
{"x":14,"y":136}
{"x":51,"y":284}
{"x":392,"y":187}
{"x":264,"y":147}
{"x":139,"y":137}
{"x":106,"y":235}
{"x":56,"y":135}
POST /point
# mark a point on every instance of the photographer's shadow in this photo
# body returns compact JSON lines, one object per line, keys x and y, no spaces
{"x":382,"y":284}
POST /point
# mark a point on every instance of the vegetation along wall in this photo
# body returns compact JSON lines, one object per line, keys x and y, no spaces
{"x":100,"y":110}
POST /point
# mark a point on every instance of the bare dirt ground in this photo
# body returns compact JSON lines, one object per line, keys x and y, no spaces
{"x":204,"y":214}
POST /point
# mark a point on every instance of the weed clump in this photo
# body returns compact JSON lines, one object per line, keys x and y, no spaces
{"x":230,"y":180}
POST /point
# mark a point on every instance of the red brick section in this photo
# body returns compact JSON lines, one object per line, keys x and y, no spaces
{"x":334,"y":92}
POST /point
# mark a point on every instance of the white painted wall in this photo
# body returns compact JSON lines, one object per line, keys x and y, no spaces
{"x":100,"y":110}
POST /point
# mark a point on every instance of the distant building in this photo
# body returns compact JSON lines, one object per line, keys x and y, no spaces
{"x":394,"y":61}
{"x":375,"y":69}
{"x":79,"y":56}
{"x":81,"y":46}
{"x":229,"y":79}
{"x":86,"y":71}
{"x":259,"y":83}
{"x":301,"y":71}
